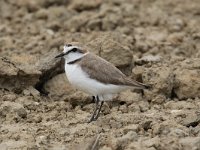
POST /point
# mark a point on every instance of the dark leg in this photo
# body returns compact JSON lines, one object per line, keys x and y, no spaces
{"x":93,"y":98}
{"x":97,"y":110}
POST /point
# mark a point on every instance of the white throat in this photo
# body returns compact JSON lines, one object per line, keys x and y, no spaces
{"x":73,"y":56}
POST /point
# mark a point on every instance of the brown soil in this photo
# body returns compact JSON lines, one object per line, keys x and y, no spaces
{"x":155,"y":41}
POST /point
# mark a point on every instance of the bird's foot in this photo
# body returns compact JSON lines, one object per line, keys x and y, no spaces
{"x":96,"y":112}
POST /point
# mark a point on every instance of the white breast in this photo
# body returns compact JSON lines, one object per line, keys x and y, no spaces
{"x":81,"y":81}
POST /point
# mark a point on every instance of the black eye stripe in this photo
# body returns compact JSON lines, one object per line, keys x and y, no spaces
{"x":74,"y":50}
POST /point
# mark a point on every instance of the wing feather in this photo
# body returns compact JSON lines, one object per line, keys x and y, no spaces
{"x":107,"y":72}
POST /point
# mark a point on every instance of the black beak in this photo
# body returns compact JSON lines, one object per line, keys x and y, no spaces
{"x":60,"y":55}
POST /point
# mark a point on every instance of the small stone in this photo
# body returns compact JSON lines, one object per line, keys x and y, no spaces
{"x":13,"y":108}
{"x":37,"y":119}
{"x":34,"y":92}
{"x":130,"y":136}
{"x":159,"y":99}
{"x":192,"y":143}
{"x":147,"y":59}
{"x":129,"y":97}
{"x":34,"y":119}
{"x":9,"y":97}
{"x":179,"y":105}
{"x":176,"y":24}
{"x":162,"y":80}
{"x":121,"y":142}
{"x":22,"y":113}
{"x":41,"y":140}
{"x":178,"y":133}
{"x":191,"y":120}
{"x":41,"y":14}
{"x":132,"y":127}
{"x":80,"y":5}
{"x":175,"y":38}
{"x":153,"y":142}
{"x":137,"y":72}
{"x":26,"y":92}
{"x":144,"y":106}
{"x":123,"y":109}
{"x":87,"y":144}
{"x":134,"y":108}
{"x":187,"y":83}
{"x":146,"y":125}
{"x":67,"y":139}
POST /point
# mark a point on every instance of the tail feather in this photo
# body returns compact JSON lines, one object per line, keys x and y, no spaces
{"x":142,"y":85}
{"x":138,"y":85}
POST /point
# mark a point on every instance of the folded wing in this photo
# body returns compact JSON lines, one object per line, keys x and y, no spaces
{"x":107,"y":73}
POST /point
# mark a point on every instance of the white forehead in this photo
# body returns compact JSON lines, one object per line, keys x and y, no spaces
{"x":68,"y":48}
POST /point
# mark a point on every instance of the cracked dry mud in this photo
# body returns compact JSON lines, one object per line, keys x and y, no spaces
{"x":155,"y":42}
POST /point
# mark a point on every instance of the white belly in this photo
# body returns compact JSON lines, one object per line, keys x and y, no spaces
{"x":81,"y":81}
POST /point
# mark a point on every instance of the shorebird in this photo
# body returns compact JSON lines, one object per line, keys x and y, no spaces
{"x":95,"y":76}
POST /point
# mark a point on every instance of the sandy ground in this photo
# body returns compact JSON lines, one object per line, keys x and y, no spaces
{"x":155,"y":42}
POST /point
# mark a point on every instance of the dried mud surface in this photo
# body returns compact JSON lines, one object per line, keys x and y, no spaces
{"x":155,"y":41}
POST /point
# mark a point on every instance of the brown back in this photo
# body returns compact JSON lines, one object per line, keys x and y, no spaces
{"x":107,"y":72}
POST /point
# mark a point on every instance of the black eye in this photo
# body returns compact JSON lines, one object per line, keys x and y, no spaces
{"x":74,"y":49}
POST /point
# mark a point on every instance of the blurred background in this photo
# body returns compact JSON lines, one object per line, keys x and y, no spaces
{"x":155,"y":42}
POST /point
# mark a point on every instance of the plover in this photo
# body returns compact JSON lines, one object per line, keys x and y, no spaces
{"x":94,"y":75}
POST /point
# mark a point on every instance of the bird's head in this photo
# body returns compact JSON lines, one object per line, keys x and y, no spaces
{"x":72,"y":52}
